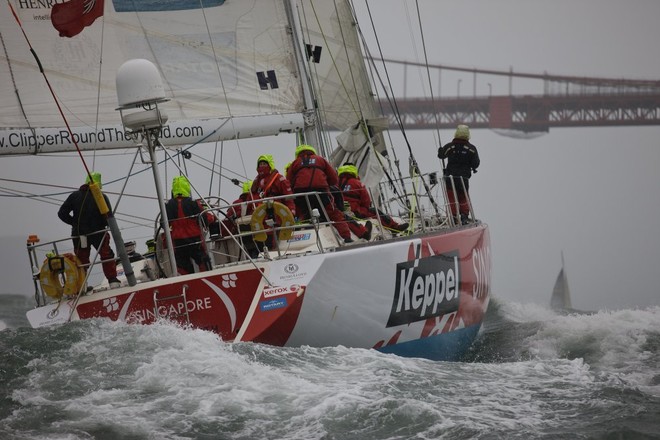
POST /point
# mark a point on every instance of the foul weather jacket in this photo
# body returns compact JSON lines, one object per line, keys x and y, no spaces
{"x":80,"y":211}
{"x":462,"y":158}
{"x":273,"y":185}
{"x":182,"y":214}
{"x":310,"y":172}
{"x":356,"y":194}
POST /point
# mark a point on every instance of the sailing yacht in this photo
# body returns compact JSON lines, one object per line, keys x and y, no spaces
{"x":158,"y":79}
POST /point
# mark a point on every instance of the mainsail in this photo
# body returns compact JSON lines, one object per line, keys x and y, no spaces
{"x":232,"y":59}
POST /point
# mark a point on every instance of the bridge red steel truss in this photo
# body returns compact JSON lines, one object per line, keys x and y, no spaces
{"x":529,"y":113}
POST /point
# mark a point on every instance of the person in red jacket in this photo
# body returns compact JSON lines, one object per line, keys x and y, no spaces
{"x":183,"y":213}
{"x":311,"y":172}
{"x":242,"y":207}
{"x":357,"y":196}
{"x":270,"y":183}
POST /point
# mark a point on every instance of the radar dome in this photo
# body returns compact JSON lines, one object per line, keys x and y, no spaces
{"x":139,"y":82}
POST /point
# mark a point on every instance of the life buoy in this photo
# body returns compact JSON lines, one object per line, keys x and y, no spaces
{"x":61,"y":275}
{"x":283,"y":216}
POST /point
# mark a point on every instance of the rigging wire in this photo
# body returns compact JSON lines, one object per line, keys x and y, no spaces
{"x":322,"y":133}
{"x":373,"y":75}
{"x":52,"y":92}
{"x":428,"y":74}
{"x":98,"y":93}
{"x":321,"y":117}
{"x":47,"y":198}
{"x":385,"y":89}
{"x":222,"y":83}
{"x":414,"y":168}
{"x":18,"y":95}
{"x":357,"y":112}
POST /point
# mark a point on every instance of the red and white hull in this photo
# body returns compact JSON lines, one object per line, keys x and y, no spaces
{"x":424,"y":296}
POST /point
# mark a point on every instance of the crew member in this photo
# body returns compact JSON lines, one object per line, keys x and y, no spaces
{"x":311,"y":172}
{"x":243,"y":206}
{"x":270,"y":183}
{"x":462,"y":159}
{"x":183,"y":213}
{"x":357,"y":196}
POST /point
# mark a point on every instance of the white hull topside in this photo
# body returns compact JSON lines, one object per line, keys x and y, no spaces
{"x":374,"y":296}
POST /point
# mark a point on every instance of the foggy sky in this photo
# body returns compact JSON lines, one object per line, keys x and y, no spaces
{"x":592,"y":193}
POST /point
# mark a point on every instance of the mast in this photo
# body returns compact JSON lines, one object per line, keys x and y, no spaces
{"x":311,"y":128}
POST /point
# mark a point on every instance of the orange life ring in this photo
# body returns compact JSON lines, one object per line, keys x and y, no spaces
{"x":283,"y":216}
{"x":61,"y":275}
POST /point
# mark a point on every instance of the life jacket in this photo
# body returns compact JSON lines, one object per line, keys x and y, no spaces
{"x":266,"y":183}
{"x":354,"y":193}
{"x":310,"y":172}
{"x":182,"y":213}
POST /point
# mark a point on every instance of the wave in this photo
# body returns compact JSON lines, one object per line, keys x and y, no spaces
{"x":623,"y":344}
{"x":106,"y":379}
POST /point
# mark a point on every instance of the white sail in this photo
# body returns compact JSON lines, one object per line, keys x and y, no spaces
{"x":344,"y":91}
{"x":561,"y":294}
{"x":336,"y":63}
{"x":230,"y":59}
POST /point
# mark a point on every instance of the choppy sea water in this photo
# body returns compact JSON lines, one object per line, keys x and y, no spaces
{"x":533,"y":374}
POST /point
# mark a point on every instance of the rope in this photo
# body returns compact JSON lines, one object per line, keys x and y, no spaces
{"x":428,"y":74}
{"x":43,"y":73}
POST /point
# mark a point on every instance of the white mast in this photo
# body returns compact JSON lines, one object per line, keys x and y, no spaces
{"x":311,"y":129}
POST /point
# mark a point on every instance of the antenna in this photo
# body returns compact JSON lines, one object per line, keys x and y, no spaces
{"x":139,"y":91}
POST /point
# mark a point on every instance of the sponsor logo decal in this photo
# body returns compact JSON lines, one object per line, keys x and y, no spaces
{"x":272,"y":304}
{"x":291,"y":268}
{"x":281,"y":290}
{"x":146,"y":6}
{"x":425,"y":288}
{"x":175,"y":309}
{"x":299,"y":237}
{"x":110,"y":304}
{"x":229,"y":280}
{"x":291,"y":272}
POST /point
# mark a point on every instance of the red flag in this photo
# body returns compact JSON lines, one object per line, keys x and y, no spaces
{"x":72,"y":17}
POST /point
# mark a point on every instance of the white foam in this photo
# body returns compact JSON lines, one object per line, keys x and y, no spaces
{"x":162,"y":381}
{"x":525,"y":312}
{"x":613,"y":343}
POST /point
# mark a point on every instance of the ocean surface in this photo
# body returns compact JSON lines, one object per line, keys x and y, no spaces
{"x":533,"y":374}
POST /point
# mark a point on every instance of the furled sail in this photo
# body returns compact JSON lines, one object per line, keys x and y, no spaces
{"x":229,"y":59}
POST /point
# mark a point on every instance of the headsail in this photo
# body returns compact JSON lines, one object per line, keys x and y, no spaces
{"x":229,"y":59}
{"x":342,"y":85}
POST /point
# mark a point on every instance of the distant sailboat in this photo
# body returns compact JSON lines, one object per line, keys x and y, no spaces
{"x":561,"y":294}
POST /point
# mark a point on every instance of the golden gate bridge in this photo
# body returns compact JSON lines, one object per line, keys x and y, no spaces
{"x":565,"y":101}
